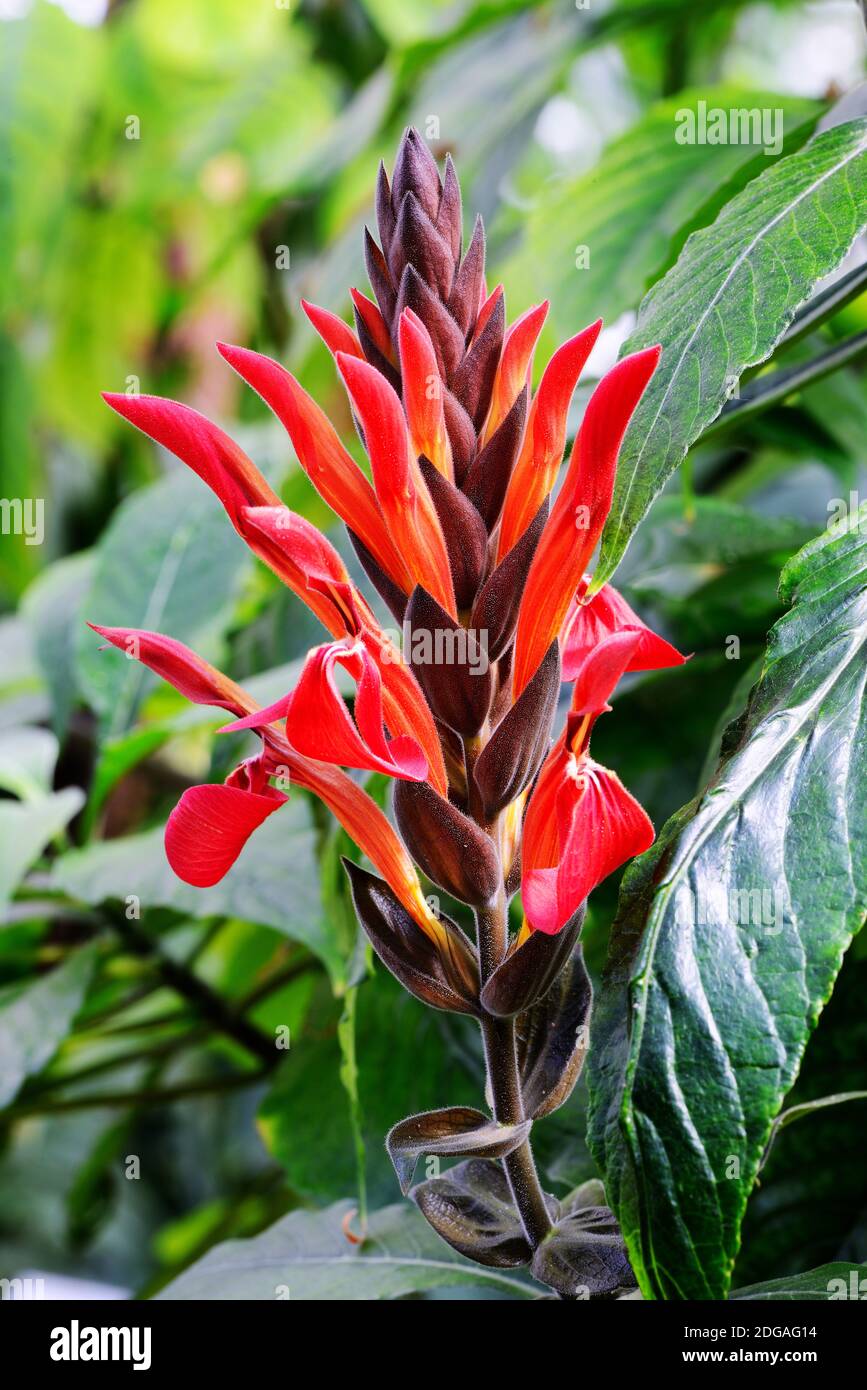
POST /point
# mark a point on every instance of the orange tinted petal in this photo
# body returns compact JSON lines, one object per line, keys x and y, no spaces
{"x":579,"y":513}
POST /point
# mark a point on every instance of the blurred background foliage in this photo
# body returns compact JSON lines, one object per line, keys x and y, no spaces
{"x":173,"y":172}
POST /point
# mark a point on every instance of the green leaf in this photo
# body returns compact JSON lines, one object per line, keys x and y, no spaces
{"x":807,"y":1107}
{"x":306,"y":1255}
{"x":833,"y":1281}
{"x":312,"y":1122}
{"x":168,"y":562}
{"x":729,"y":938}
{"x":274,"y":883}
{"x":633,"y":210}
{"x":27,"y":758}
{"x":808,"y":1206}
{"x":35,"y":1020}
{"x":725,"y":304}
{"x":25,"y":830}
{"x":52,"y":609}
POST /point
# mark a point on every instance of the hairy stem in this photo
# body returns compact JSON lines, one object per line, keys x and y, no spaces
{"x":501,"y":1059}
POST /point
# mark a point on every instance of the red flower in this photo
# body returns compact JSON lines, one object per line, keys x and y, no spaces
{"x":581,"y":822}
{"x":211,"y":824}
{"x":589,"y":622}
{"x":452,"y":528}
{"x":319,"y":725}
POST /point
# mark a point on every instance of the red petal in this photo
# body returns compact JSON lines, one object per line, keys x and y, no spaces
{"x":600,"y":671}
{"x":516,"y":361}
{"x":217,"y":459}
{"x":545,"y":437}
{"x":600,"y":826}
{"x":587,"y":624}
{"x":400,"y":488}
{"x":210,"y":826}
{"x":319,"y":725}
{"x":486,"y":308}
{"x":308,"y":563}
{"x":187,"y":672}
{"x":371,"y":830}
{"x":332,"y":470}
{"x":423,"y":394}
{"x":335,"y":334}
{"x":373,"y":321}
{"x":579,"y":513}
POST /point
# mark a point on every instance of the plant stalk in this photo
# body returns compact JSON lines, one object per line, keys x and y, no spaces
{"x":501,"y":1060}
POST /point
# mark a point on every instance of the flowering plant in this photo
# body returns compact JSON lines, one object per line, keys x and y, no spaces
{"x":457,"y":532}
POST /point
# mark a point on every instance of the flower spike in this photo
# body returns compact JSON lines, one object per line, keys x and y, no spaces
{"x":462,"y":536}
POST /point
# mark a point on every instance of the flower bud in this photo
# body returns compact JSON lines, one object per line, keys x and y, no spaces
{"x":451,"y":849}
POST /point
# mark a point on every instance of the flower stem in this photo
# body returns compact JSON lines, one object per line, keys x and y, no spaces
{"x":501,"y":1060}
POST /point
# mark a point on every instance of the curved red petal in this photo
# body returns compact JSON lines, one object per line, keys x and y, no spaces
{"x":400,"y":487}
{"x":513,"y":370}
{"x":329,"y":466}
{"x":181,"y":667}
{"x":335,"y":334}
{"x":423,"y":394}
{"x":601,"y":669}
{"x":210,"y":826}
{"x":587,"y":623}
{"x":202,"y":446}
{"x":599,"y":825}
{"x":319,"y":725}
{"x":545,"y":437}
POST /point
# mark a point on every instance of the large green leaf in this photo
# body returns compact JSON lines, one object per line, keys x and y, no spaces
{"x":275,"y":882}
{"x":169,"y":561}
{"x":26,"y":827}
{"x":726,"y":303}
{"x":633,"y":210}
{"x":35,"y":1020}
{"x":52,"y":610}
{"x":405,"y":1064}
{"x":307,"y":1256}
{"x":730,"y":935}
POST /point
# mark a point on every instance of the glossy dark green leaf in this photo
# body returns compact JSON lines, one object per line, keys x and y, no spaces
{"x":729,"y":937}
{"x":727,"y":301}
